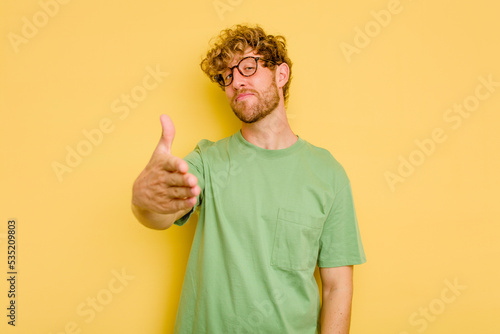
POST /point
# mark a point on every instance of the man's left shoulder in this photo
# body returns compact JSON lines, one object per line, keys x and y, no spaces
{"x":324,"y":157}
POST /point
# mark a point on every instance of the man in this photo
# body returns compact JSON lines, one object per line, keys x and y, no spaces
{"x":271,"y":207}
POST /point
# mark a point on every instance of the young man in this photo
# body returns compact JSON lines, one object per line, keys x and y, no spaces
{"x":271,"y":207}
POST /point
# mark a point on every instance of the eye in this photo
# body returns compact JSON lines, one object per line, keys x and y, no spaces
{"x":228,"y":77}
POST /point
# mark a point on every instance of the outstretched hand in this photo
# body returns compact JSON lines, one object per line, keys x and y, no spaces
{"x":165,"y":186}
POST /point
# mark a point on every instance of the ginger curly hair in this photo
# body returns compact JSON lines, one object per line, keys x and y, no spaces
{"x":236,"y":40}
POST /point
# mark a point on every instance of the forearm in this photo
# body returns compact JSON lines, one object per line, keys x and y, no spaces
{"x":335,"y":314}
{"x":157,"y":221}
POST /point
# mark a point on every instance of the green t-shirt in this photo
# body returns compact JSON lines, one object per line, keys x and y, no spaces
{"x":266,"y":218}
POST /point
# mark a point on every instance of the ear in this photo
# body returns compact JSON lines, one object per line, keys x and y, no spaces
{"x":282,"y":74}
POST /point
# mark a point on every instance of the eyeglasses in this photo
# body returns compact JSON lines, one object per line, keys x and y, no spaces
{"x":246,"y":66}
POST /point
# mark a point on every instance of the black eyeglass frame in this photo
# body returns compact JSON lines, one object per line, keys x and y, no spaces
{"x":220,"y":79}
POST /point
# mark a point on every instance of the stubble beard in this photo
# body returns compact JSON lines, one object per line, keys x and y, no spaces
{"x":248,"y":113}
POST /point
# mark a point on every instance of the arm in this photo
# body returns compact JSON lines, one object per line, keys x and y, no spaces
{"x":337,"y":289}
{"x":164,"y":191}
{"x":154,"y":220}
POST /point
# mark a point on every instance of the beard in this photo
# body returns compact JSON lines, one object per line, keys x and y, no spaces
{"x":249,"y":112}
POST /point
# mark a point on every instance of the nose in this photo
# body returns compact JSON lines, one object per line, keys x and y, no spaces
{"x":239,"y":80}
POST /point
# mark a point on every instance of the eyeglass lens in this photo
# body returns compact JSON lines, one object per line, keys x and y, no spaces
{"x":247,"y":67}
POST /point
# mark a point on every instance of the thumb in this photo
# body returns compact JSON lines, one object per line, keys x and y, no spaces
{"x":168,"y":132}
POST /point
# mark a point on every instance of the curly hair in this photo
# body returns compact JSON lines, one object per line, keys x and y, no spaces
{"x":236,"y":40}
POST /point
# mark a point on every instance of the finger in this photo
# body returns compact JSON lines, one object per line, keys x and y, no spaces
{"x":181,"y":180}
{"x":167,"y":132}
{"x":175,"y":164}
{"x":180,"y":192}
{"x":196,"y":190}
{"x":183,"y":204}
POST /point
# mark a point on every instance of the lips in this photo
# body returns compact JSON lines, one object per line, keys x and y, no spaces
{"x":243,"y":96}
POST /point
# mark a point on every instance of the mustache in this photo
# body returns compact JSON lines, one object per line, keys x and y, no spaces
{"x":244,"y":91}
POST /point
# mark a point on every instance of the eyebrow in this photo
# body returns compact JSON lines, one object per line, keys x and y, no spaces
{"x":244,"y":56}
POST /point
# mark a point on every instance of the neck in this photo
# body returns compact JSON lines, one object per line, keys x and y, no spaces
{"x":272,"y":132}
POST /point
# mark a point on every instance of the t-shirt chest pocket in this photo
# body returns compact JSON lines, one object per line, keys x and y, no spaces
{"x":296,"y":240}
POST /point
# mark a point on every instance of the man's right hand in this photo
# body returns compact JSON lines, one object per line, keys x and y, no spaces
{"x":165,"y":186}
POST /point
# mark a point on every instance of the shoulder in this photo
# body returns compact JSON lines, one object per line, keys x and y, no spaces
{"x":320,"y":154}
{"x":206,"y":145}
{"x":208,"y":150}
{"x":324,"y":161}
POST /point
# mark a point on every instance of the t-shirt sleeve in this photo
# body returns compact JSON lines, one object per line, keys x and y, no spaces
{"x":195,"y":163}
{"x":340,"y":242}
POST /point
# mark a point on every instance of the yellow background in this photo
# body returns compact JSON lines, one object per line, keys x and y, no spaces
{"x":439,"y":225}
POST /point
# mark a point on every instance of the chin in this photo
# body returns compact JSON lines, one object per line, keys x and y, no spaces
{"x":250,"y":118}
